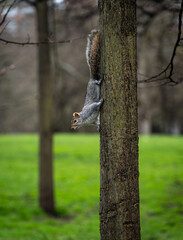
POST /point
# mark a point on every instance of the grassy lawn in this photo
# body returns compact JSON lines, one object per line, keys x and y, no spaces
{"x":76,"y":172}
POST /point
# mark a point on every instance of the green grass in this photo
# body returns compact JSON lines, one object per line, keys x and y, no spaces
{"x":76,"y":173}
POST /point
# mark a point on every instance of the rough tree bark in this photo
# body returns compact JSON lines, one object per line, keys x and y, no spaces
{"x":46,"y":190}
{"x":119,"y":191}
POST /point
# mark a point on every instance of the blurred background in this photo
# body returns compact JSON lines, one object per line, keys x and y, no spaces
{"x":76,"y":156}
{"x":160,"y":107}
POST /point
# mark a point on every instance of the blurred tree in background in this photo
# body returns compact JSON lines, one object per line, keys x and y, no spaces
{"x":46,"y":20}
{"x":159,"y":107}
{"x":46,"y":189}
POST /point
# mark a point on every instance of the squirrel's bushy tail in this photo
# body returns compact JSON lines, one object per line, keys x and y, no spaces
{"x":93,"y":51}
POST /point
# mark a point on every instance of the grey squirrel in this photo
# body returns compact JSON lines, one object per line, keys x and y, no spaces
{"x":89,"y":114}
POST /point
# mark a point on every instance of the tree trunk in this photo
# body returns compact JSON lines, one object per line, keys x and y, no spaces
{"x":46,"y":191}
{"x":119,"y":189}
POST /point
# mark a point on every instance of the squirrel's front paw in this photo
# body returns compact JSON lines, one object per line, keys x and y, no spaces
{"x":98,"y":128}
{"x":98,"y":82}
{"x":101,"y":101}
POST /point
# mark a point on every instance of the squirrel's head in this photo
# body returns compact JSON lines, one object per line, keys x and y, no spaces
{"x":76,"y":121}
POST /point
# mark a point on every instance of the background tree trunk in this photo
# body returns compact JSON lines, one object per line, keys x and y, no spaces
{"x":119,"y":190}
{"x":46,"y":191}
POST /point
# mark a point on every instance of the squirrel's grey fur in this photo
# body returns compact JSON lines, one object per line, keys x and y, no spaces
{"x":89,"y":114}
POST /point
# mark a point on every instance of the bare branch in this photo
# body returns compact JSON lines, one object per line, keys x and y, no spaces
{"x":4,"y":27}
{"x":167,"y":73}
{"x":28,"y":42}
{"x":3,"y":6}
{"x":5,"y":15}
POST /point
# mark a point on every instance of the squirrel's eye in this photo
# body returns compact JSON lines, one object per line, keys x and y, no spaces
{"x":75,"y":121}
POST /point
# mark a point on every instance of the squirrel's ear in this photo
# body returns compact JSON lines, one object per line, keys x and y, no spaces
{"x":75,"y":114}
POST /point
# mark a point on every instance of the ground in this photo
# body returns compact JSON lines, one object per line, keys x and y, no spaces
{"x":76,"y":173}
